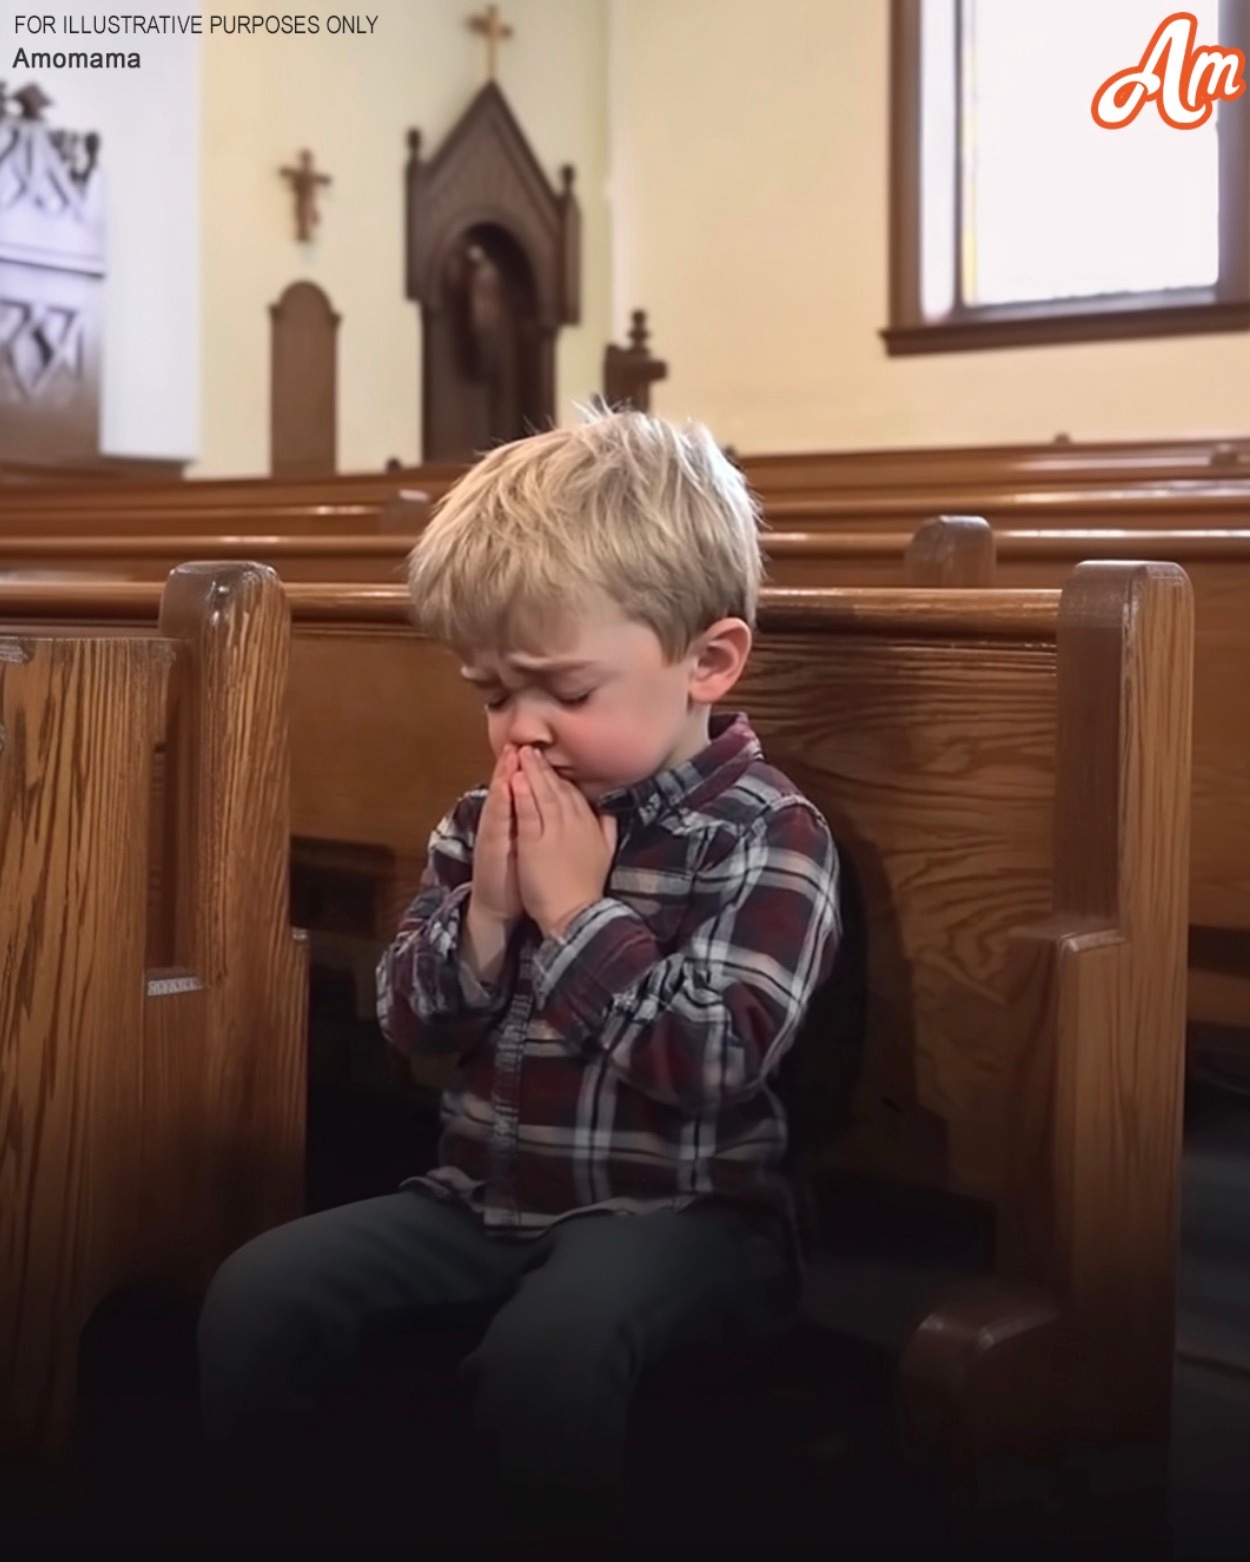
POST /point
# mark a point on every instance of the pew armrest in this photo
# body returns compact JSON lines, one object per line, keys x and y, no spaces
{"x":986,"y":1373}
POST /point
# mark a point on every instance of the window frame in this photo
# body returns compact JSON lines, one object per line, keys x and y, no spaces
{"x":1109,"y":316}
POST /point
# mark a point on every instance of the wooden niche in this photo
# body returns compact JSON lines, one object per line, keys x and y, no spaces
{"x":494,"y":260}
{"x":303,"y":411}
{"x":51,"y":286}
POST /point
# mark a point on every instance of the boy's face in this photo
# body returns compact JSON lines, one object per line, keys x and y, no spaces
{"x":599,"y":700}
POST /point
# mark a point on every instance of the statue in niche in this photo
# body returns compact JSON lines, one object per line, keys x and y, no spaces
{"x":487,"y":304}
{"x":484,"y":315}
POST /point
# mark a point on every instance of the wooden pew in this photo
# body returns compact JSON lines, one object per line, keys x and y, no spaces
{"x":956,"y":551}
{"x":1218,"y":565}
{"x":154,"y":1002}
{"x":350,"y":557}
{"x":1007,"y":774}
{"x":1168,"y":483}
{"x":812,"y":474}
{"x":399,"y":510}
{"x":1191,"y":504}
{"x":1056,"y":465}
{"x":1176,"y":506}
{"x":247,"y":493}
{"x":1012,"y":797}
{"x":1078,"y":501}
{"x":358,"y":884}
{"x":869,"y":558}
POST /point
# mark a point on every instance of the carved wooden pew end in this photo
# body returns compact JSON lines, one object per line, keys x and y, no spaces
{"x":1079,"y":1351}
{"x":1016,"y":814}
{"x":155,"y":1116}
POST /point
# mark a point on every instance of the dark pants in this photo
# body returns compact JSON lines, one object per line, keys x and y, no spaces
{"x":574,"y":1318}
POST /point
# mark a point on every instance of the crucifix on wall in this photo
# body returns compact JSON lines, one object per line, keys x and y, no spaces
{"x":304,"y":180}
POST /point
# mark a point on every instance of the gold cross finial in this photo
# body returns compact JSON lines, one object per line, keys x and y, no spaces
{"x":493,"y":30}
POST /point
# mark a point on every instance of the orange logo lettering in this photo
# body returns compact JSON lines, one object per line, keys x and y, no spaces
{"x":1184,"y":80}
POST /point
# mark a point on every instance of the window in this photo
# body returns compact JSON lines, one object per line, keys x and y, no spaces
{"x":1016,"y":218}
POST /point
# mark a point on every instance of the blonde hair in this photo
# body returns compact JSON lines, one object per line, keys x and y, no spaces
{"x":655,"y":516}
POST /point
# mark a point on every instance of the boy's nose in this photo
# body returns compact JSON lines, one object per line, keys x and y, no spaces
{"x":528,"y":730}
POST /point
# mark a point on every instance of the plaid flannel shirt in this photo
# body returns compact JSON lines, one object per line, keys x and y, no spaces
{"x":628,"y":1064}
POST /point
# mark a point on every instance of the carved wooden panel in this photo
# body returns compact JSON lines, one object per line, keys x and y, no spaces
{"x":51,"y":286}
{"x":303,"y":418}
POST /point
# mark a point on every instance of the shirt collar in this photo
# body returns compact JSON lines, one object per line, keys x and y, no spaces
{"x":732,"y":745}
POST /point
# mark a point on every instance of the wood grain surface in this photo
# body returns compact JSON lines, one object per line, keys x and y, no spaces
{"x":152,"y":1119}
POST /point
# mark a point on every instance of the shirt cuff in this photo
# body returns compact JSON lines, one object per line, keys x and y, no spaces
{"x":446,"y":985}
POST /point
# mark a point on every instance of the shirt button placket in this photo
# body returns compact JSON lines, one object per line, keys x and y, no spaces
{"x":505,"y":1100}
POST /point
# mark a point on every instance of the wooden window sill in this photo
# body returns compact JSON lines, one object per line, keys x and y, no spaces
{"x":1028,"y":326}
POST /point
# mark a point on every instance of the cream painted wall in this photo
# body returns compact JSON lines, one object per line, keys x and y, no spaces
{"x":750,"y":151}
{"x":352,"y":100}
{"x":732,"y":174}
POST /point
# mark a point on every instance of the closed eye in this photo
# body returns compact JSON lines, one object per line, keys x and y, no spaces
{"x":570,"y":701}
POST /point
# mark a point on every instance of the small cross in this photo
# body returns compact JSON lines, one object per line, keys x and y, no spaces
{"x":493,"y":29}
{"x":304,"y":181}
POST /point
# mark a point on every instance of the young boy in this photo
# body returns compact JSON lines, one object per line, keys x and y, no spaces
{"x":616,"y":939}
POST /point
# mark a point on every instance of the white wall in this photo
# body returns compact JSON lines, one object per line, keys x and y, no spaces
{"x":149,"y":124}
{"x":351,"y":101}
{"x":752,"y":184}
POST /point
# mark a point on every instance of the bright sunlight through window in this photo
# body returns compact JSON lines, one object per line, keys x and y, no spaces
{"x":1051,"y":206}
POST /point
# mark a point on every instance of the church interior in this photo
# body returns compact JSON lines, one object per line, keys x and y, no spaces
{"x":963,"y":289}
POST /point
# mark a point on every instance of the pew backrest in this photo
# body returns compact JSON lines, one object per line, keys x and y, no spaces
{"x":807,"y":475}
{"x":948,"y":552}
{"x":1053,"y":466}
{"x":395,"y":509}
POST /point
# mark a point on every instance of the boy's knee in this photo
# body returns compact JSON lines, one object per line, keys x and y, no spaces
{"x":246,"y":1291}
{"x":253,"y":1328}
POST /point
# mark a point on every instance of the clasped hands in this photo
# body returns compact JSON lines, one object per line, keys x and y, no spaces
{"x":541,"y":848}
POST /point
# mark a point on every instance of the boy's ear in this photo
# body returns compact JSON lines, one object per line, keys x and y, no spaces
{"x":717,"y":659}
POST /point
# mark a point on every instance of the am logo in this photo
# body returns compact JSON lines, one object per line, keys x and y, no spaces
{"x":1182,"y":78}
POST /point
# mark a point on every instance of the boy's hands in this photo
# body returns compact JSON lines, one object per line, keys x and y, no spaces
{"x":564,"y":849}
{"x":496,"y":893}
{"x":540,"y":849}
